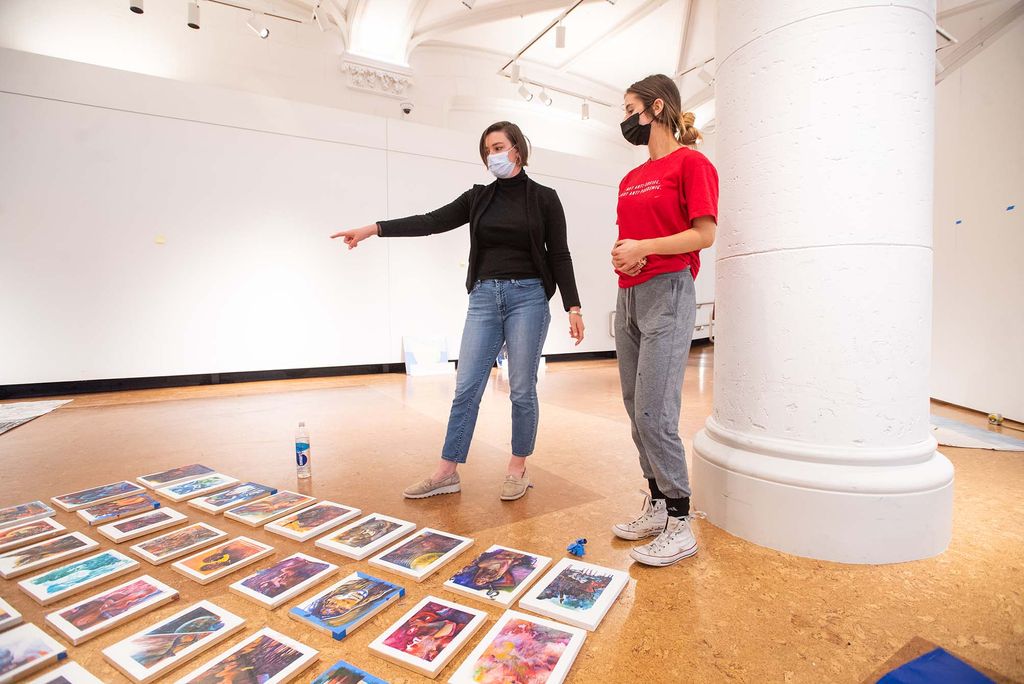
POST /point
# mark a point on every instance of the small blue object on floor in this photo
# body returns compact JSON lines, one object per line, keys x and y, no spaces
{"x":577,"y":548}
{"x":935,"y":666}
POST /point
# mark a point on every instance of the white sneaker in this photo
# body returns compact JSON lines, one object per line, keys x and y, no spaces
{"x":651,"y":521}
{"x":674,"y":544}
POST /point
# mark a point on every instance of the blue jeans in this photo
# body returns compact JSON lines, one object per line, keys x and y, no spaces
{"x":500,"y":311}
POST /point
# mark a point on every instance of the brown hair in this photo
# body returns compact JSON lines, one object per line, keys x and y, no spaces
{"x":661,"y":87}
{"x":515,"y":136}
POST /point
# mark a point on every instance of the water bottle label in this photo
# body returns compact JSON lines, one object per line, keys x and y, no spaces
{"x":301,"y":453}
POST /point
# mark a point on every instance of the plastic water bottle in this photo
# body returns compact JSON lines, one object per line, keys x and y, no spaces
{"x":302,"y":466}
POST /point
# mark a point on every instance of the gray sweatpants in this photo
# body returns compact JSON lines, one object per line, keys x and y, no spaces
{"x":653,"y":331}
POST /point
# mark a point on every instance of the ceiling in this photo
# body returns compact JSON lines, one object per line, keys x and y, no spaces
{"x":608,"y":43}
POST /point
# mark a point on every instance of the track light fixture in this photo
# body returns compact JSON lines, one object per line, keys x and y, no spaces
{"x":256,"y":23}
{"x":516,"y":73}
{"x":585,"y":110}
{"x":560,"y":36}
{"x":525,"y":92}
{"x":193,"y":14}
{"x":545,"y":98}
{"x":136,"y":6}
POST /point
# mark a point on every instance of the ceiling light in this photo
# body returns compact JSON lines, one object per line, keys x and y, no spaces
{"x":545,"y":98}
{"x":193,"y":15}
{"x":255,"y":22}
{"x":136,"y":6}
{"x":525,"y":92}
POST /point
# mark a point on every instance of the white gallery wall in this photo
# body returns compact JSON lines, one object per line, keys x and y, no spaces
{"x":151,"y":227}
{"x":978,"y":327}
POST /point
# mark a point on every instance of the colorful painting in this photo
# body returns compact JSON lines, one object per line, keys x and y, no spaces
{"x":521,"y":649}
{"x":142,"y":524}
{"x":151,"y":652}
{"x":118,"y":508}
{"x":430,"y":631}
{"x":422,"y":554}
{"x":20,"y":535}
{"x":28,"y":558}
{"x":368,"y":532}
{"x":25,"y":649}
{"x":222,"y":559}
{"x":142,"y":521}
{"x":345,"y":673}
{"x":73,"y":577}
{"x":95,"y":495}
{"x":178,"y":543}
{"x":263,"y":511}
{"x":575,"y":592}
{"x":207,"y":484}
{"x":366,"y":536}
{"x":267,"y":657}
{"x":71,"y":673}
{"x":499,"y":574}
{"x":215,"y":503}
{"x":312,"y":521}
{"x":341,"y":608}
{"x":284,"y":580}
{"x":97,"y":614}
{"x":8,"y":615}
{"x":429,"y":635}
{"x":23,"y":513}
{"x":166,"y":477}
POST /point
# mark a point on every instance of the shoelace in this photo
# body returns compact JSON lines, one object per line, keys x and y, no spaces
{"x":664,"y":540}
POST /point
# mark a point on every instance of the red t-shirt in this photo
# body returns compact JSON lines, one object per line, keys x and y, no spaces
{"x":659,"y":198}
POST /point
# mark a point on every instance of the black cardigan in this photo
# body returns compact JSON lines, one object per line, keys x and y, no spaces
{"x":548,"y":244}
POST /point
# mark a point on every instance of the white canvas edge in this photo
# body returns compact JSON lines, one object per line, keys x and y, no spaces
{"x":55,"y":530}
{"x":227,"y":481}
{"x":227,"y":570}
{"x":420,"y":575}
{"x":509,"y":598}
{"x":117,"y":537}
{"x":71,"y":671}
{"x":90,"y":545}
{"x":160,"y":560}
{"x":92,"y":520}
{"x":56,"y":651}
{"x":588,"y":619}
{"x":405,"y":528}
{"x":276,"y":528}
{"x":309,"y":656}
{"x":120,"y":495}
{"x":274,"y":516}
{"x":45,"y":599}
{"x":31,"y":518}
{"x":141,"y":479}
{"x":445,"y":657}
{"x":134,"y":671}
{"x":464,"y":673}
{"x":299,"y":588}
{"x":76,"y":635}
{"x":201,"y":503}
{"x":13,"y":616}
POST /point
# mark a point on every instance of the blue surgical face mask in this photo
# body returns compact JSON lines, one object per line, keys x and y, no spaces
{"x":500,"y":165}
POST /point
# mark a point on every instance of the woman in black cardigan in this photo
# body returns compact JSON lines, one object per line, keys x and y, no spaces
{"x":518,"y":256}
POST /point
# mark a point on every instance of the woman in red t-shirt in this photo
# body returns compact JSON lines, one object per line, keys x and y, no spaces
{"x":666,"y":214}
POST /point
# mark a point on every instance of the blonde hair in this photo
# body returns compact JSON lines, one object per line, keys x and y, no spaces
{"x":661,"y":87}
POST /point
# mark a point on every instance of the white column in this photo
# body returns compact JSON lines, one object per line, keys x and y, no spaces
{"x":819,"y":443}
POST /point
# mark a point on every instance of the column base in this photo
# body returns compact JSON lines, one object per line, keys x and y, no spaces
{"x":842,"y":512}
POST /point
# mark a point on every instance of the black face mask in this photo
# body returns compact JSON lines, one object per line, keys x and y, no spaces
{"x":635,"y":132}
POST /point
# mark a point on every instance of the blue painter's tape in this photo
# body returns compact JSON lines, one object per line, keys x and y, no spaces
{"x":958,"y":222}
{"x":1011,"y":207}
{"x":936,"y":666}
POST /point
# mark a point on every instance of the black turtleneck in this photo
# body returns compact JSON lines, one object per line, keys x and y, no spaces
{"x":504,"y":233}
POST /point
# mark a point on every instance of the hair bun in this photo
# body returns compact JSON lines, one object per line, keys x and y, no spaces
{"x":687,"y":119}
